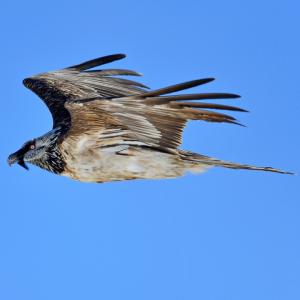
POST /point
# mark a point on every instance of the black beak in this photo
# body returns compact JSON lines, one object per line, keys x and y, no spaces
{"x":17,"y":158}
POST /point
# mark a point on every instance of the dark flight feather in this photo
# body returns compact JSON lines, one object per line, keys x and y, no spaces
{"x":203,"y":96}
{"x":114,"y":72}
{"x":97,"y":62}
{"x":177,"y":87}
{"x":206,"y":106}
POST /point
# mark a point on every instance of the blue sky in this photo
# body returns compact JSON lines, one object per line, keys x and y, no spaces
{"x":226,"y":234}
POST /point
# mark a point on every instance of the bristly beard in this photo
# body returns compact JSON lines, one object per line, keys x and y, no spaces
{"x":51,"y":161}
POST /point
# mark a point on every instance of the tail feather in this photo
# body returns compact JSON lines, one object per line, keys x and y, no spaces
{"x":210,"y":161}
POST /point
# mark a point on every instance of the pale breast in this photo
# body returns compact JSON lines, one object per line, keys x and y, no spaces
{"x":87,"y":160}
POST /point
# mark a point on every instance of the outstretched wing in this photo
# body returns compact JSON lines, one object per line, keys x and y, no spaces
{"x":76,"y":82}
{"x":148,"y":119}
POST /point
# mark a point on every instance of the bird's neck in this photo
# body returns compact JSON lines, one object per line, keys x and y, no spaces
{"x":52,"y":161}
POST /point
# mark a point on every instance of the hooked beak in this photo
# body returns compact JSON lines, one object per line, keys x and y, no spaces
{"x":17,"y":158}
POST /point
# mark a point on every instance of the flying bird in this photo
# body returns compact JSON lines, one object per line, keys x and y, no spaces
{"x":107,"y":128}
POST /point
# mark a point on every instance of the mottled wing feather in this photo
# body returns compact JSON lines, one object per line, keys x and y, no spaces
{"x":150,"y":119}
{"x":93,"y":124}
{"x":90,"y":118}
{"x":130,"y":124}
{"x":57,"y":87}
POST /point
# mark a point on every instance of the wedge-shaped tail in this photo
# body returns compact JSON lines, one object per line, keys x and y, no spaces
{"x":214,"y":162}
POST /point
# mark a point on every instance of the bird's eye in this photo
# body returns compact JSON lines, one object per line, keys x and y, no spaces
{"x":32,"y":147}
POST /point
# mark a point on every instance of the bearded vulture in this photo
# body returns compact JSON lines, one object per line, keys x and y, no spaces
{"x":107,"y":128}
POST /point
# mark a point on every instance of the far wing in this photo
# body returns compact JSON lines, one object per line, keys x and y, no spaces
{"x":76,"y":82}
{"x":148,"y":119}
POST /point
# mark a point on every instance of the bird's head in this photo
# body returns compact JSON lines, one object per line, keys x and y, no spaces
{"x":36,"y":151}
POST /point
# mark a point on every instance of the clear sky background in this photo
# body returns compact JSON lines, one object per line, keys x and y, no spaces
{"x":226,"y":234}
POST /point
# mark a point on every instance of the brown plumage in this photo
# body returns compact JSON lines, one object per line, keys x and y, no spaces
{"x":107,"y":128}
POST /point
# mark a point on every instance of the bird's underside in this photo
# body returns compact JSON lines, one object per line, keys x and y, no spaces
{"x":107,"y":128}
